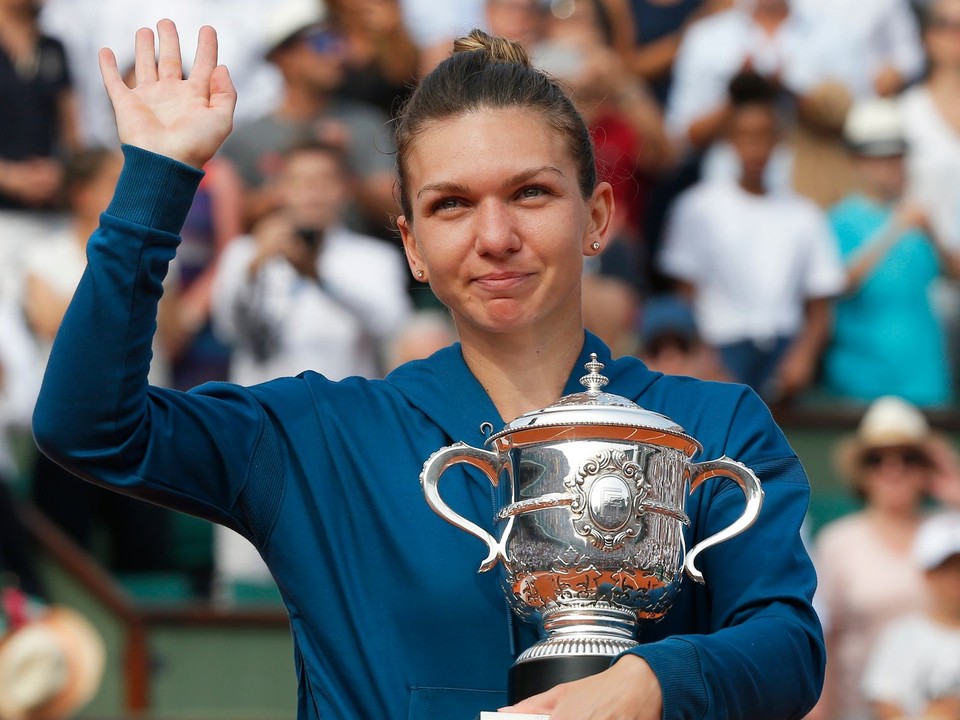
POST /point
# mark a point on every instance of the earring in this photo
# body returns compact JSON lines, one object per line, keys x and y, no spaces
{"x":596,"y":245}
{"x":420,"y":274}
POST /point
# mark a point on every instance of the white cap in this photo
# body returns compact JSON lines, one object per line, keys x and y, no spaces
{"x":937,"y":539}
{"x":874,"y":128}
{"x":290,"y":17}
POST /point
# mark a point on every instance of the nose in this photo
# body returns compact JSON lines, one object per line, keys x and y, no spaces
{"x":495,"y":230}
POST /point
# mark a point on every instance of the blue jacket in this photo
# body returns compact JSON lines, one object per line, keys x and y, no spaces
{"x":389,"y":617}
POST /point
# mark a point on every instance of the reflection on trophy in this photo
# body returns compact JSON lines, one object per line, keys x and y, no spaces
{"x":591,"y":493}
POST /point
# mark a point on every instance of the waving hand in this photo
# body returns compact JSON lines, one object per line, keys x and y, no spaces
{"x":186,"y":120}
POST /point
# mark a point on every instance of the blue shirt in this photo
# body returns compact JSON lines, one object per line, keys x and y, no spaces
{"x":389,"y":617}
{"x":887,"y":338}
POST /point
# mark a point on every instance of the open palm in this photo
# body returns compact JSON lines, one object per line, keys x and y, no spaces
{"x":186,"y":120}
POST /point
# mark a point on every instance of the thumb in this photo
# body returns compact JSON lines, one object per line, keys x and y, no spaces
{"x":223,"y":95}
{"x":544,"y":703}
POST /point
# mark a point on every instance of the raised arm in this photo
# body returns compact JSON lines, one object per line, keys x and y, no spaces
{"x":96,"y":413}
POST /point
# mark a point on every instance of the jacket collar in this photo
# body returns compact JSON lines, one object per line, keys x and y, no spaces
{"x":444,"y":388}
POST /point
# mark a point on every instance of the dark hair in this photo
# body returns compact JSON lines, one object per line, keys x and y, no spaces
{"x":490,"y":73}
{"x":84,"y":166}
{"x":751,"y":88}
{"x":310,"y":145}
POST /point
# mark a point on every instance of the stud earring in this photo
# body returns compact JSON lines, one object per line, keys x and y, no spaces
{"x":596,"y":245}
{"x":420,"y":274}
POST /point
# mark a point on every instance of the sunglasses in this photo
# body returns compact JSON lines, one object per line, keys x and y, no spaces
{"x":324,"y":41}
{"x":907,"y":457}
{"x":944,"y":23}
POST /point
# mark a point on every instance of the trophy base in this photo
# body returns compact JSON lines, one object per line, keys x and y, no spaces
{"x":531,"y":677}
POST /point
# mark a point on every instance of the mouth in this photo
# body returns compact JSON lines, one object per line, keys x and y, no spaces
{"x":501,"y":280}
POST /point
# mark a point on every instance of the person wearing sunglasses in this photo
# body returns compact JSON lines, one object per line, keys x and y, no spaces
{"x":897,"y":466}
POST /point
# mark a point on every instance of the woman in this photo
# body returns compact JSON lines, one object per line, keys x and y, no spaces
{"x":500,"y":206}
{"x":868,"y":575}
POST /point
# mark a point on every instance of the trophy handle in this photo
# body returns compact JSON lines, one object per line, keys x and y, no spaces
{"x":748,"y":482}
{"x":491,"y":464}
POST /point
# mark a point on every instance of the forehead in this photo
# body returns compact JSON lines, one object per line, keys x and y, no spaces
{"x":310,"y":159}
{"x":485,"y":144}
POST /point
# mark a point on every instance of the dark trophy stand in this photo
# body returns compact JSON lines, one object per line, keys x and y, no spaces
{"x":536,"y":676}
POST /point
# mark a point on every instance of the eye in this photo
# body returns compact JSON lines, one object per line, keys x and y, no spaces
{"x":532,"y":191}
{"x":446,"y":203}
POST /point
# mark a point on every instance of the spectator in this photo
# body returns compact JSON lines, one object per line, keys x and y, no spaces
{"x":37,"y":129}
{"x":302,"y":293}
{"x":887,"y":337}
{"x":670,"y":341}
{"x":761,"y":267}
{"x":382,"y":62}
{"x":932,"y":123}
{"x":758,"y":36}
{"x":867,"y":573}
{"x":311,"y":61}
{"x":914,"y":670}
{"x":138,"y":535}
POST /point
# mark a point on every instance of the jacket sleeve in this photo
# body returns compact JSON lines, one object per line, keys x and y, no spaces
{"x":96,"y":415}
{"x":751,"y":646}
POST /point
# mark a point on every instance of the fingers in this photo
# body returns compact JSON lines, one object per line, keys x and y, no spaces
{"x":112,"y":81}
{"x":205,"y":60}
{"x":145,"y":67}
{"x":170,"y":64}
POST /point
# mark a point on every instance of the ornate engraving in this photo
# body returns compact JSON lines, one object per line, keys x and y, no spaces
{"x":609,"y":491}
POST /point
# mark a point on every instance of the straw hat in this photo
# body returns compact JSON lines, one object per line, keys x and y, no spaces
{"x":889,"y":422}
{"x":50,"y":667}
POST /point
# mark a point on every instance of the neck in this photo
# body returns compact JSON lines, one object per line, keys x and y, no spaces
{"x":946,"y":614}
{"x":524,"y":372}
{"x":83,"y":227}
{"x":754,"y":186}
{"x":769,"y":20}
{"x":945,"y":79}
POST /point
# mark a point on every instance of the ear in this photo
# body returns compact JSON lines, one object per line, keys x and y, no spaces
{"x":411,"y":250}
{"x":600,"y":222}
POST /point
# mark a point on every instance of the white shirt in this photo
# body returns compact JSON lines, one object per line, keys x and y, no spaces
{"x":85,"y":26}
{"x":933,"y":161}
{"x":915,"y":660}
{"x":754,"y":260}
{"x":850,"y":41}
{"x":331,"y":326}
{"x":22,"y":368}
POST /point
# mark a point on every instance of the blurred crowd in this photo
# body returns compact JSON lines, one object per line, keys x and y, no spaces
{"x":787,"y":179}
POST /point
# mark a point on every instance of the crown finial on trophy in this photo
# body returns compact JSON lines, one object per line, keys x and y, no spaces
{"x":594,"y":382}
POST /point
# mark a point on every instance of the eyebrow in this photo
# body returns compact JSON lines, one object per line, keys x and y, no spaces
{"x":452,"y":187}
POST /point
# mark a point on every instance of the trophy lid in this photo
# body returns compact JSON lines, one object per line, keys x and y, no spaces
{"x":598,"y":410}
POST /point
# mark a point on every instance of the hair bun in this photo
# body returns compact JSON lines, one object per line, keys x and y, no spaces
{"x":497,"y":49}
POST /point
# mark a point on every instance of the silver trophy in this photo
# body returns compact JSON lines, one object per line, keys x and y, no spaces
{"x":591,"y":494}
